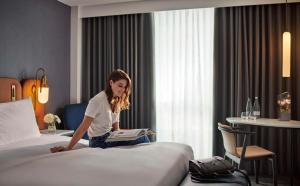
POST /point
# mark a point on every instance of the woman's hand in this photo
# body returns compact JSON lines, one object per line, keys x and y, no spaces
{"x":58,"y":149}
{"x":115,"y":126}
{"x":77,"y":135}
{"x":87,"y":120}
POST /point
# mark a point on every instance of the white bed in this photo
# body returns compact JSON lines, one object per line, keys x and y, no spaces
{"x":31,"y":163}
{"x":25,"y":158}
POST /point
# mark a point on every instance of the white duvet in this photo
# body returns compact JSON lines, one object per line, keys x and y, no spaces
{"x":31,"y":163}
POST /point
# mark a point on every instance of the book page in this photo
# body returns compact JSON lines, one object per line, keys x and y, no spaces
{"x":126,"y":133}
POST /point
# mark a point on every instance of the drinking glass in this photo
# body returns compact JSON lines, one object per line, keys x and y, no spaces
{"x":244,"y":115}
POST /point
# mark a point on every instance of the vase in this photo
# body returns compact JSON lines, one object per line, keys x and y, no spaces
{"x":285,"y":116}
{"x":51,"y":127}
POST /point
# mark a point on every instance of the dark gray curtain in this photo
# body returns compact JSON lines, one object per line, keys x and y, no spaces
{"x":247,"y":63}
{"x":124,"y":42}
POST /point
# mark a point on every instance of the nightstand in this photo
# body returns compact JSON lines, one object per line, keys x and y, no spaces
{"x":58,"y":132}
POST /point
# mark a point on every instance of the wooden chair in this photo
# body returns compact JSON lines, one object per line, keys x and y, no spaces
{"x":240,"y":154}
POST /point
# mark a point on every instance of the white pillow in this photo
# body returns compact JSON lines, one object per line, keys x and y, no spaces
{"x":17,"y":121}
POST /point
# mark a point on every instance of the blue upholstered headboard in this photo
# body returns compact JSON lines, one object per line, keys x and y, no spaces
{"x":73,"y":116}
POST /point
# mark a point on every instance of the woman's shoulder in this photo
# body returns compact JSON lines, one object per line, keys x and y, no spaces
{"x":101,"y":96}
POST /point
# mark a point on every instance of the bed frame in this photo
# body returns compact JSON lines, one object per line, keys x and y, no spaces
{"x":10,"y":89}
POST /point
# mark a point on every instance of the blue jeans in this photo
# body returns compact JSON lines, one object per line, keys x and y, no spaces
{"x":99,"y":141}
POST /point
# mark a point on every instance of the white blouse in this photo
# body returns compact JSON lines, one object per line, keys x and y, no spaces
{"x":99,"y":109}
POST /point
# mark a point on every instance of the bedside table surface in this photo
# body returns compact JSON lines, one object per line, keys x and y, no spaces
{"x":57,"y":132}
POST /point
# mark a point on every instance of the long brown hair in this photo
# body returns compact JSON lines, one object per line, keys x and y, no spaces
{"x":118,"y":103}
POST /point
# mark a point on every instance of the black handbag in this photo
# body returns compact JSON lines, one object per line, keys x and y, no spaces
{"x":216,"y":170}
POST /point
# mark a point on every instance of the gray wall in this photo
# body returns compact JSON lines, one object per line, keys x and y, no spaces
{"x":33,"y":34}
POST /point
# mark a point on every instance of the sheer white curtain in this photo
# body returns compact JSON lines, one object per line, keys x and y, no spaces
{"x":184,"y":77}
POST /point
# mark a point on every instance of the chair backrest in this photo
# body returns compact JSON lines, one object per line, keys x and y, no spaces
{"x":73,"y":116}
{"x":229,"y":138}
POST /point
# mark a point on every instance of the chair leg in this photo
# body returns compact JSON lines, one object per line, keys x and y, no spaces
{"x":274,"y":168}
{"x":256,"y":170}
{"x":240,"y":163}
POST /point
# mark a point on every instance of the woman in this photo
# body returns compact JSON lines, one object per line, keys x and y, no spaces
{"x":102,"y":114}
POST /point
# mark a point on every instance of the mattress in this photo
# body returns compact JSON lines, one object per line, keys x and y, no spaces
{"x":30,"y":162}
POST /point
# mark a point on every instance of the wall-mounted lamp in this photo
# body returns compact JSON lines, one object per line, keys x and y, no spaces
{"x":43,"y":90}
{"x":286,"y":49}
{"x":38,"y":90}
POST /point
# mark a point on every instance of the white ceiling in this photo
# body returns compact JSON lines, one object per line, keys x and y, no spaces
{"x":95,"y":8}
{"x":216,"y":3}
{"x":93,"y":2}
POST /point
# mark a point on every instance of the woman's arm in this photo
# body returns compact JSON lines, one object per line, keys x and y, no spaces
{"x":86,"y":122}
{"x":115,"y":126}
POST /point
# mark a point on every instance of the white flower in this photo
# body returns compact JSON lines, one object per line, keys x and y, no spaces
{"x":57,"y":119}
{"x":51,"y":118}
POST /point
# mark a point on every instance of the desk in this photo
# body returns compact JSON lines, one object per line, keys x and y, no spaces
{"x":266,"y":122}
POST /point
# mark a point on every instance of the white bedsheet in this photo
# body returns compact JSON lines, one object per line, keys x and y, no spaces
{"x":31,"y":163}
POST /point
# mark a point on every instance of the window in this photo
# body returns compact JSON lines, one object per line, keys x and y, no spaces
{"x":184,"y":77}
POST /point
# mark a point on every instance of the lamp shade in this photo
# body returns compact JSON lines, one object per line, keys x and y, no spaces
{"x":286,"y":54}
{"x":43,"y":94}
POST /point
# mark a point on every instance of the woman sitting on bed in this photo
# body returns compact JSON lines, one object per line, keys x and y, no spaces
{"x":102,"y":114}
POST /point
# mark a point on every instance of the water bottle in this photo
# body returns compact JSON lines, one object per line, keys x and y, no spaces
{"x":248,"y":108}
{"x":256,"y":109}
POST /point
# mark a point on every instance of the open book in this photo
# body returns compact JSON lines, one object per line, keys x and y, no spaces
{"x":128,"y":135}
